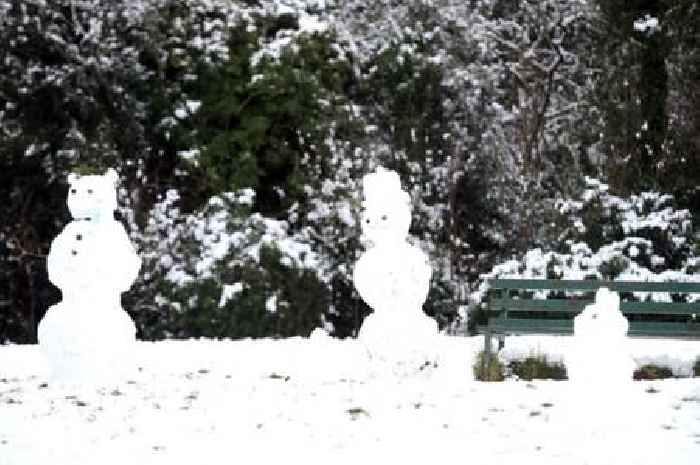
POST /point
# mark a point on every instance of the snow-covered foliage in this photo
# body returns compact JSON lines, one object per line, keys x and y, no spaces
{"x":604,"y":236}
{"x":222,"y":226}
{"x":489,"y":110}
{"x":223,"y":264}
{"x":648,"y":24}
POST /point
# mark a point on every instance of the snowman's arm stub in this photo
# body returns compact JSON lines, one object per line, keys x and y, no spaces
{"x":62,"y":261}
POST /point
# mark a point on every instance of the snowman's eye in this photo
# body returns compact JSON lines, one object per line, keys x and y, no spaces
{"x":367,"y":221}
{"x":384,"y":217}
{"x":89,"y":191}
{"x":73,"y":191}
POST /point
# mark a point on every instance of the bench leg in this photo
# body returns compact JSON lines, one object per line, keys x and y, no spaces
{"x":488,"y":350}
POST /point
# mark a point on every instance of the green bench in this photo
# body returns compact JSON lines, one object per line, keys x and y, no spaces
{"x":513,"y":310}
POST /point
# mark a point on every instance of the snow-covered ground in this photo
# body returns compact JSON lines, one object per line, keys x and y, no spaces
{"x":255,"y":401}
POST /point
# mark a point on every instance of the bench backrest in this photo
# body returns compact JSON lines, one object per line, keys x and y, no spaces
{"x":516,"y":314}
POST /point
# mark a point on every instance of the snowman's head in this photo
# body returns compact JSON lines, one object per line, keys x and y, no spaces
{"x":607,"y":299}
{"x":92,"y":196}
{"x":386,"y":214}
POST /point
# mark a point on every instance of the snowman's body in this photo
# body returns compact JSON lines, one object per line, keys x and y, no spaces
{"x":600,"y":355}
{"x":88,"y":335}
{"x":393,"y":277}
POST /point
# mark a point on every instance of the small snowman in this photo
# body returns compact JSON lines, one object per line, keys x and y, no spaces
{"x":393,"y":277}
{"x":600,"y":354}
{"x":88,"y":336}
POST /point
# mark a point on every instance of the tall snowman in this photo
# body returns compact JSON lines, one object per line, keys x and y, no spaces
{"x":88,"y":336}
{"x":393,"y":278}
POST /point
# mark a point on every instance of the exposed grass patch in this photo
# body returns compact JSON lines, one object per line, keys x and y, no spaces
{"x":538,"y":367}
{"x":357,"y":412}
{"x":651,"y":372}
{"x":278,"y":376}
{"x":488,"y":370}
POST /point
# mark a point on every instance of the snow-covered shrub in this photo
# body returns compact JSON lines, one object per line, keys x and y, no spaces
{"x":269,"y":116}
{"x":603,"y":236}
{"x":223,"y":272}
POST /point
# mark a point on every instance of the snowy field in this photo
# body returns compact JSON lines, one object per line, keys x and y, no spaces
{"x":255,"y":401}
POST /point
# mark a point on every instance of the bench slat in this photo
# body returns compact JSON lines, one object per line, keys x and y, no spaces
{"x":551,"y":305}
{"x":575,"y":306}
{"x":592,"y":285}
{"x":566,"y":327}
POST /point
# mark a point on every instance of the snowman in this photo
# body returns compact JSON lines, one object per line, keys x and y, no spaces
{"x":393,"y":278}
{"x":88,"y":336}
{"x":600,"y":355}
